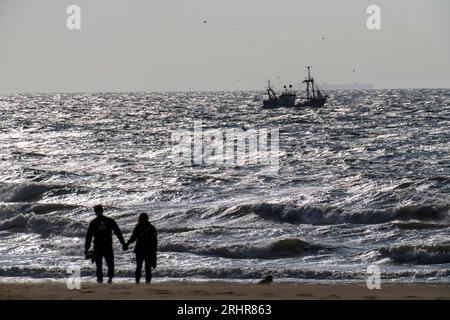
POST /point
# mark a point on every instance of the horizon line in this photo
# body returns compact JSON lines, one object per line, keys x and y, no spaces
{"x":204,"y":90}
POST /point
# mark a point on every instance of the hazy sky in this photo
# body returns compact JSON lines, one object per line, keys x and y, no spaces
{"x":152,"y":45}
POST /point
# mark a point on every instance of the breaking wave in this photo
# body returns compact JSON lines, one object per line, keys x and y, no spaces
{"x":235,"y":273}
{"x":45,"y":225}
{"x":24,"y":192}
{"x":269,"y":250}
{"x":418,"y":254}
{"x":419,"y":225}
{"x":331,"y":215}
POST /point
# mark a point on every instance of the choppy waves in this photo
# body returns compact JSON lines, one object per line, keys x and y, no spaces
{"x":364,"y":180}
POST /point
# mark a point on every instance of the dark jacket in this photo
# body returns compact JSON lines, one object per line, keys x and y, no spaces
{"x":146,"y":239}
{"x":101,"y":228}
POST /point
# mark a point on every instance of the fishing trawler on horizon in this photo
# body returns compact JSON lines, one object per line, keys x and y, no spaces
{"x":314,"y":98}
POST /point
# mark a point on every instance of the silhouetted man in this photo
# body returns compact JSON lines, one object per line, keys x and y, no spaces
{"x":101,"y":228}
{"x":146,"y":245}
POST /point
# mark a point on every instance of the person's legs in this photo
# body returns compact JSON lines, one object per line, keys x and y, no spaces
{"x":109,"y":258}
{"x":139,"y":262}
{"x":148,"y":269}
{"x":99,"y":266}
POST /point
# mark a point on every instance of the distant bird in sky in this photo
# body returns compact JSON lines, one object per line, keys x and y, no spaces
{"x":204,"y":21}
{"x":353,"y":70}
{"x":323,"y":37}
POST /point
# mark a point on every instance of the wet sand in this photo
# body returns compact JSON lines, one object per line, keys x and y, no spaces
{"x":220,"y":290}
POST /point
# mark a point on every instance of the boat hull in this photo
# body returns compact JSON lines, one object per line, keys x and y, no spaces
{"x":270,"y":104}
{"x":282,"y":101}
{"x":313,"y":103}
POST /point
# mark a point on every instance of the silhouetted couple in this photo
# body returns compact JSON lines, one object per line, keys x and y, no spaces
{"x":102,"y":228}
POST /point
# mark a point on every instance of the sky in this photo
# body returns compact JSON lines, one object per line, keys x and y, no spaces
{"x":164,"y":45}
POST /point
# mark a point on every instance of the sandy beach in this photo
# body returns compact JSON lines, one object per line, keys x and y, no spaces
{"x":220,"y":291}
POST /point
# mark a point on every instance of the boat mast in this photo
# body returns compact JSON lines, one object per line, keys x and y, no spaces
{"x":308,"y":81}
{"x":312,"y":81}
{"x":270,"y":92}
{"x":307,"y":84}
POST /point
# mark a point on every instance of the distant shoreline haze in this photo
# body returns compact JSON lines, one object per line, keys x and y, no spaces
{"x":300,"y":91}
{"x":353,"y":86}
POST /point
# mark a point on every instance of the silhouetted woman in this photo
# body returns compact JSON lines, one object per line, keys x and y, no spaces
{"x":146,"y":244}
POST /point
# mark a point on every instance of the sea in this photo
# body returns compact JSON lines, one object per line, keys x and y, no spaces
{"x":361,"y":184}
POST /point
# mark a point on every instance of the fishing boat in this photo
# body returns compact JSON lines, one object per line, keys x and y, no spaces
{"x":314,"y":98}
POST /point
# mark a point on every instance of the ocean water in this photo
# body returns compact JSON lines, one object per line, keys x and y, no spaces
{"x":363,"y":181}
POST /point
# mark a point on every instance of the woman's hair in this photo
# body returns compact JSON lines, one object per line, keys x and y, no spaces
{"x":143,"y":217}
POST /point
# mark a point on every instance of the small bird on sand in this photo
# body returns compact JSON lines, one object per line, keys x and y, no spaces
{"x":266,"y":280}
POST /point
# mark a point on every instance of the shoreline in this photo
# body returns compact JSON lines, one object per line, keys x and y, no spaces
{"x":221,"y":291}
